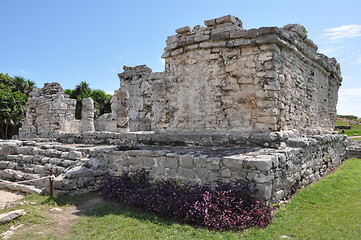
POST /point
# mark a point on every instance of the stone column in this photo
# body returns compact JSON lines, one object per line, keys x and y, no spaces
{"x":87,"y":115}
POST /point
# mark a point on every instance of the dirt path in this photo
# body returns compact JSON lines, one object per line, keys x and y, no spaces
{"x":64,"y":218}
{"x":7,"y":197}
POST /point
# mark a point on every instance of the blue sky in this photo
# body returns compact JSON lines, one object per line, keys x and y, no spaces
{"x":70,"y":41}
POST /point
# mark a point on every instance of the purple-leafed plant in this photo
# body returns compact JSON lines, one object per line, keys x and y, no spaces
{"x":231,"y":205}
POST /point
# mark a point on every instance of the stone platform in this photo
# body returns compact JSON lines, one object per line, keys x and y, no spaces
{"x":276,"y":163}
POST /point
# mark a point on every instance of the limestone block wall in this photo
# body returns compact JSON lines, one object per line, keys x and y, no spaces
{"x":143,"y":96}
{"x":49,"y":110}
{"x":225,"y":78}
{"x":275,"y":172}
{"x":308,"y":82}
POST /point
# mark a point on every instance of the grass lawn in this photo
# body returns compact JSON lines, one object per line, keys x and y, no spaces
{"x":356,"y":139}
{"x":355,"y":129}
{"x":342,"y":123}
{"x":328,"y":209}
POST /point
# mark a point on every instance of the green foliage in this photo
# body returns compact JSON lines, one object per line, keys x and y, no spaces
{"x":101,"y":99}
{"x":349,"y":117}
{"x":13,"y":97}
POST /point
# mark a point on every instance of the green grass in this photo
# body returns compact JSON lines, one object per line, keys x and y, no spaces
{"x":355,"y":129}
{"x":36,"y":207}
{"x":356,"y":139}
{"x":328,"y":209}
{"x":342,"y":123}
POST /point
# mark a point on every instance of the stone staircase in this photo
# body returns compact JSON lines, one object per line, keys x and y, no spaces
{"x":25,"y":167}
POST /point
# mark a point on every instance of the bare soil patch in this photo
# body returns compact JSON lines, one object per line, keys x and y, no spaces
{"x":66,"y":218}
{"x":7,"y":197}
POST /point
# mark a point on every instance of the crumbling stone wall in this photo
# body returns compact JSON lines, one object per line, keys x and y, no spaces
{"x":221,"y":78}
{"x":225,"y":78}
{"x":49,"y":110}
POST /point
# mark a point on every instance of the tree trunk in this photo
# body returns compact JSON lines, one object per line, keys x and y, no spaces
{"x":2,"y":133}
{"x":6,"y":130}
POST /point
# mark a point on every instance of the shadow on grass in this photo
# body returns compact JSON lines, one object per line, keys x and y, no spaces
{"x":93,"y":205}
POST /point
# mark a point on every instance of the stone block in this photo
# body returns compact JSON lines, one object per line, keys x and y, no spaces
{"x":187,"y":174}
{"x":39,"y":169}
{"x":149,"y":162}
{"x":202,"y":174}
{"x":264,"y":190}
{"x":172,"y":161}
{"x":170,"y":173}
{"x":238,"y":34}
{"x":226,"y":173}
{"x":220,"y":36}
{"x":182,"y":30}
{"x":3,"y":164}
{"x":226,"y":19}
{"x":79,"y":171}
{"x":262,"y":163}
{"x":75,"y":155}
{"x":210,"y":23}
{"x":279,"y":195}
{"x":257,"y":177}
{"x":186,"y":161}
{"x":22,"y":150}
{"x":233,"y":162}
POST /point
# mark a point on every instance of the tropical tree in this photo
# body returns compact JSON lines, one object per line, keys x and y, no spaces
{"x":101,"y":99}
{"x":13,"y":97}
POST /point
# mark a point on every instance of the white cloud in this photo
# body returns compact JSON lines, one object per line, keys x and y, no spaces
{"x":351,"y":92}
{"x":19,"y":71}
{"x":346,"y":31}
{"x":349,"y":101}
{"x":331,"y":49}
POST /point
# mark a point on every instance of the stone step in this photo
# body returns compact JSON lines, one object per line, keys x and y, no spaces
{"x":51,"y":152}
{"x":41,"y":160}
{"x":42,"y":169}
{"x":25,"y":167}
{"x":18,"y":175}
{"x":20,"y":187}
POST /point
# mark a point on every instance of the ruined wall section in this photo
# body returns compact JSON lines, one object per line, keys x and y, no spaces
{"x":309,"y":81}
{"x":224,"y":78}
{"x":143,"y":93}
{"x":49,"y":110}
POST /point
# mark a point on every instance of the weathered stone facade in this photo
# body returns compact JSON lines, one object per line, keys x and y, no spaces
{"x":49,"y":110}
{"x":257,"y":105}
{"x":222,"y":78}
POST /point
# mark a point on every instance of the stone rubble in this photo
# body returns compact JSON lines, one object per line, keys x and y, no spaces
{"x":7,"y":217}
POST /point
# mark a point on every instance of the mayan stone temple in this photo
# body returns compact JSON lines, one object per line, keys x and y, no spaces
{"x":257,"y":105}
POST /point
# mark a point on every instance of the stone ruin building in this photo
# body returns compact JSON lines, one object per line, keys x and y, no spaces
{"x":232,"y":103}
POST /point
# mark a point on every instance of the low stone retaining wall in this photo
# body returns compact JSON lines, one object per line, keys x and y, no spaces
{"x":354,"y":150}
{"x":276,"y":172}
{"x":277,"y":163}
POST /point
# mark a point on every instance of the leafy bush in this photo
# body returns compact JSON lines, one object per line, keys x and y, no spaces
{"x":229,"y":205}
